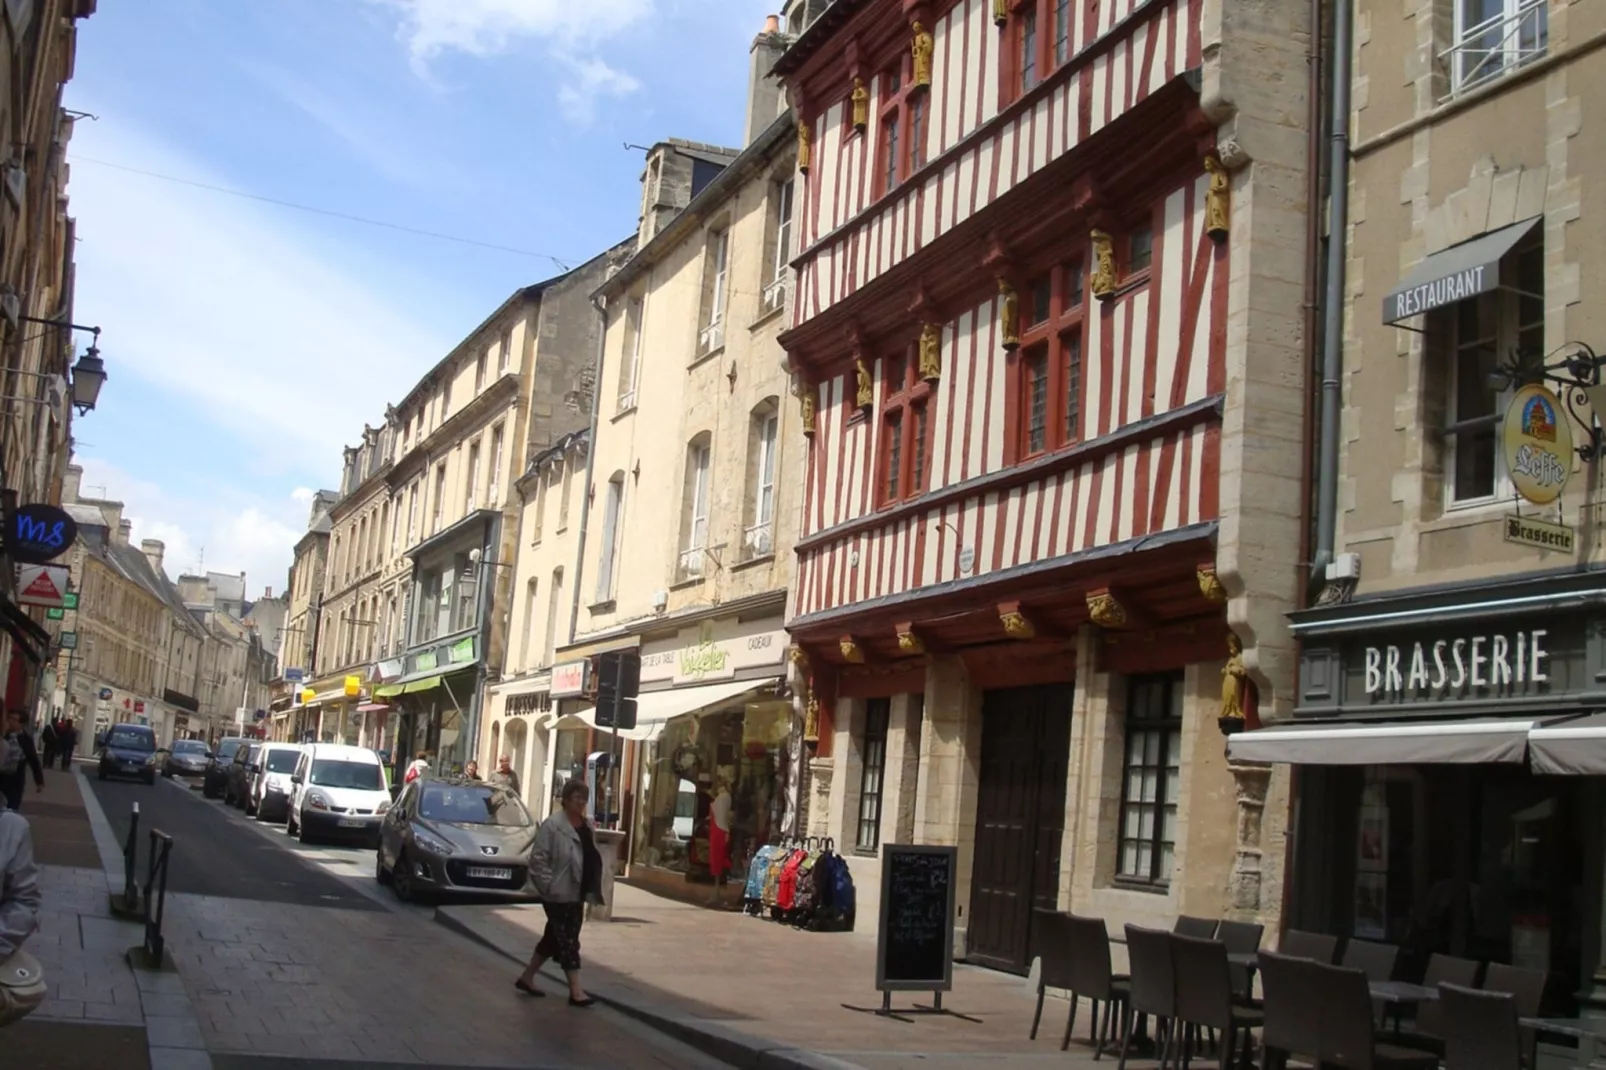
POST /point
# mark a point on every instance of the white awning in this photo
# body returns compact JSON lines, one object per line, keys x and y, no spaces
{"x":655,"y":709}
{"x":1575,"y":747}
{"x":1387,"y":743}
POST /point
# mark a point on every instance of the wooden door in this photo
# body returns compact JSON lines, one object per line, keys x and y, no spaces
{"x":1020,"y":819}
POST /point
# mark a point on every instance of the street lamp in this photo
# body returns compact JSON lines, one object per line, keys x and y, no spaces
{"x":88,"y":376}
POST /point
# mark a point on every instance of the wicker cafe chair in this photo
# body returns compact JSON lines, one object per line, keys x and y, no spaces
{"x":1318,"y":947}
{"x":1428,"y":1030}
{"x":1349,"y":1028}
{"x":1052,"y":932}
{"x":1529,"y":988}
{"x":1203,"y":928}
{"x":1376,"y":961}
{"x":1241,"y":938}
{"x":1293,"y":1015}
{"x":1153,"y":989}
{"x":1092,"y":977}
{"x":1204,"y":987}
{"x":1480,"y":1029}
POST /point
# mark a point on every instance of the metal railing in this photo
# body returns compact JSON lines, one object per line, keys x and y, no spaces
{"x":758,"y":541}
{"x":627,"y":401}
{"x":1498,"y":44}
{"x":156,"y":896}
{"x":711,"y":338}
{"x":775,"y":293}
{"x":690,"y":565}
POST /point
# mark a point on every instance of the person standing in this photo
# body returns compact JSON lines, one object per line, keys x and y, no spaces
{"x":419,"y":768}
{"x":20,"y":898}
{"x":47,"y":741}
{"x":17,"y":756}
{"x":471,"y":771}
{"x":506,"y":774}
{"x":66,"y":741}
{"x":566,"y":868}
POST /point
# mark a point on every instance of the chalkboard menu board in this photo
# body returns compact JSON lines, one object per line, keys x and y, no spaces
{"x":915,"y":947}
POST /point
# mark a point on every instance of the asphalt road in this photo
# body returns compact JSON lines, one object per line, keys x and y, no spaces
{"x":213,"y":854}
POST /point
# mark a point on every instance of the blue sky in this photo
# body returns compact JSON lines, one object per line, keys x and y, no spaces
{"x":247,"y":343}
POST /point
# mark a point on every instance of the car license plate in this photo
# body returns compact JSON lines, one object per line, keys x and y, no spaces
{"x":351,"y":823}
{"x":490,"y":874}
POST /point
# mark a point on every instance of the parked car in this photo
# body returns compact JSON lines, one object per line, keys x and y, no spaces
{"x":217,"y":770}
{"x":241,"y":771}
{"x":269,"y":797}
{"x":337,"y":792}
{"x":129,"y":751}
{"x":187,"y":758}
{"x":447,"y":835}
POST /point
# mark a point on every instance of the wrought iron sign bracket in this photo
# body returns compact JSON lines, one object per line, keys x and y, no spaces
{"x":1576,"y":369}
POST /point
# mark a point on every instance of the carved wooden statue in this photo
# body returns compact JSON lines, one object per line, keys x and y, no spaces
{"x":1234,"y":680}
{"x":806,"y":403}
{"x":1101,"y":282}
{"x":866,"y":393}
{"x":861,"y":105}
{"x":805,"y":147}
{"x":931,"y":353}
{"x":1010,"y":315}
{"x":1218,"y":200}
{"x":1000,"y":13}
{"x":922,"y":49}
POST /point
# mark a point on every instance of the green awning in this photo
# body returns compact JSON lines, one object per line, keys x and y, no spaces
{"x":426,"y":684}
{"x":389,"y":690}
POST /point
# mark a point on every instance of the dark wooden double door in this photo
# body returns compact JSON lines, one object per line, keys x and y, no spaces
{"x":1020,"y":820}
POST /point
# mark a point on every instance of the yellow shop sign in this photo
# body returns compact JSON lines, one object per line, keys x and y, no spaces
{"x":1537,"y":445}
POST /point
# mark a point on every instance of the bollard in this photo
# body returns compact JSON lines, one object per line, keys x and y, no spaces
{"x":131,"y":862}
{"x":156,"y":897}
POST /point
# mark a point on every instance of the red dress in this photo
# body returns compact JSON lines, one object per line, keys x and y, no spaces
{"x":719,"y":854}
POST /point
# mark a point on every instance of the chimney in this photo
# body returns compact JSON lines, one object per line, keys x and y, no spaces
{"x":763,"y":91}
{"x":112,"y":513}
{"x":71,"y":485}
{"x":154,"y":551}
{"x":267,"y":594}
{"x":125,"y":528}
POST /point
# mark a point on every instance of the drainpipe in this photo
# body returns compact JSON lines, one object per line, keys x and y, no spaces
{"x":1333,"y":305}
{"x":591,"y":463}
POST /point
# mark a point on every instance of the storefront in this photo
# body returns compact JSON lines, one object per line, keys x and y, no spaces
{"x":519,"y":719}
{"x":1449,"y":795}
{"x":431,"y":703}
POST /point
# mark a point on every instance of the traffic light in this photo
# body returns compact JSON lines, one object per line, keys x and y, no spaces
{"x":618,"y":680}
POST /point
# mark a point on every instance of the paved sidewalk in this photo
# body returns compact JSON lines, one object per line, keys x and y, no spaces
{"x":759,"y":993}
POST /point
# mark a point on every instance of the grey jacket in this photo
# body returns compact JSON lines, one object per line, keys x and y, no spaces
{"x":557,"y":861}
{"x":19,"y":883}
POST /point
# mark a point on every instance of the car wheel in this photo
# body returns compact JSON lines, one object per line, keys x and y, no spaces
{"x":302,"y":834}
{"x":381,"y":874}
{"x":101,"y":773}
{"x":251,"y":807}
{"x":402,"y":880}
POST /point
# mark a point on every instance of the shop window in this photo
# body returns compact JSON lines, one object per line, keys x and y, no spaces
{"x":611,"y":522}
{"x":758,"y":533}
{"x":905,"y":432}
{"x":901,"y":144}
{"x":877,"y":713}
{"x":630,"y":366}
{"x":1152,"y":782}
{"x":1046,"y":398}
{"x":1474,"y":336}
{"x":1494,"y":37}
{"x":694,"y":509}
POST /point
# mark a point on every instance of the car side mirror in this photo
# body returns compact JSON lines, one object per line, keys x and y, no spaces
{"x":295,"y":780}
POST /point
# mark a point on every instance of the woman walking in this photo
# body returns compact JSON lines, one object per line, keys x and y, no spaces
{"x":566,"y":869}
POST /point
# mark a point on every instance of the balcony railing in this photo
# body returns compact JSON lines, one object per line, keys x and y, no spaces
{"x":627,"y":400}
{"x":711,"y":338}
{"x":758,"y":541}
{"x":1497,"y":45}
{"x":690,"y":565}
{"x":775,"y":293}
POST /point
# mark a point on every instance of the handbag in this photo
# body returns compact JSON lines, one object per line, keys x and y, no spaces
{"x":22,"y":986}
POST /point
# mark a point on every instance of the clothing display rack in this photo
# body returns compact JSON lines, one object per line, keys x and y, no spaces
{"x":802,"y":882}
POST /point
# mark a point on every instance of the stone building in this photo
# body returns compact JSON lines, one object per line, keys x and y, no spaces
{"x":298,"y":641}
{"x":1440,"y":733}
{"x":1047,"y":334}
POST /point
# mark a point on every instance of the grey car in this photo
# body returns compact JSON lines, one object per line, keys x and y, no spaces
{"x":187,"y":758}
{"x":452,"y":836}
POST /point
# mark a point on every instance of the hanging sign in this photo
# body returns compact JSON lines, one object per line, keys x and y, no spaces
{"x":1540,"y":534}
{"x":40,"y":533}
{"x":1537,"y":445}
{"x":41,"y":585}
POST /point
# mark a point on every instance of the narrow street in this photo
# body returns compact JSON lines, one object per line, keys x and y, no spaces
{"x":295,"y":953}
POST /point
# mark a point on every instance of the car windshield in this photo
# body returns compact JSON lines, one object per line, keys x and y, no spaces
{"x":364,"y":776}
{"x":226,"y":749}
{"x":477,"y":804}
{"x":283,"y":761}
{"x":189,"y":746}
{"x":130,"y":739}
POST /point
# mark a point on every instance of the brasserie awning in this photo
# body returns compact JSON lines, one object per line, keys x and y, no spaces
{"x":1388,"y":742}
{"x":1454,"y":274}
{"x":1575,"y":747}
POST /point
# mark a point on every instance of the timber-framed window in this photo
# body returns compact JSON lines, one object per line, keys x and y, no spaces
{"x":1152,"y":786}
{"x":1038,"y":41}
{"x":905,"y":461}
{"x":1045,"y":398}
{"x":901,"y":130}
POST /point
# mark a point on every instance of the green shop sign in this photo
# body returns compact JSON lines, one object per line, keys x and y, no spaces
{"x":461,"y":651}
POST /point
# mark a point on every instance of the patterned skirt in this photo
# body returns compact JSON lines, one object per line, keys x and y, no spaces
{"x":561,"y":940}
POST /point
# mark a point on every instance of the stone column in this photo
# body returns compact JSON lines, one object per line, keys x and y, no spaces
{"x":819,"y":804}
{"x":849,"y":776}
{"x":950,"y":760}
{"x":901,"y":779}
{"x":1244,"y":891}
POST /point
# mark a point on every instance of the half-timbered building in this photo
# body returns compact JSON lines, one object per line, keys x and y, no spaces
{"x":1046,"y":340}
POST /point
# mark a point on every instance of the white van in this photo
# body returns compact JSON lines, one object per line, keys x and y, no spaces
{"x":337,"y":792}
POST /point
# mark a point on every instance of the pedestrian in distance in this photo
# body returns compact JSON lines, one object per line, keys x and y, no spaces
{"x":506,"y":774}
{"x":17,"y":756}
{"x":47,"y":741}
{"x":566,"y":869}
{"x":22,"y":986}
{"x":471,"y":771}
{"x":419,"y":767}
{"x":67,"y":742}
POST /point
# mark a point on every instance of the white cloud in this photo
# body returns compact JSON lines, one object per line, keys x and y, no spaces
{"x":592,"y":78}
{"x":487,"y":27}
{"x":226,"y":530}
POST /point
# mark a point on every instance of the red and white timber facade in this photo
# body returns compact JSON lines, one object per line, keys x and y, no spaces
{"x":1028,"y":335}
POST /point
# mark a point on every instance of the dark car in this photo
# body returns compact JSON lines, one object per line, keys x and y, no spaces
{"x":453,"y":835}
{"x":237,"y":789}
{"x":217,"y":770}
{"x":129,"y":751}
{"x":187,"y":758}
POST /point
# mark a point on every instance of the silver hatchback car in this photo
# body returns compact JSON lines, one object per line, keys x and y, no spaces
{"x":447,"y":836}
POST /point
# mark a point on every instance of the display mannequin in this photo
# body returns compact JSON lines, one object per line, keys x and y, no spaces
{"x":719,"y":833}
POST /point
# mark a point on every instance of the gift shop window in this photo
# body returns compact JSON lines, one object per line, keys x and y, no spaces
{"x":1039,"y":36}
{"x":900,"y":151}
{"x":1047,"y":370}
{"x":905,"y":432}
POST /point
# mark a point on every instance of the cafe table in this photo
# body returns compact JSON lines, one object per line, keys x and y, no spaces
{"x":1589,"y":1032}
{"x":1397,"y":995}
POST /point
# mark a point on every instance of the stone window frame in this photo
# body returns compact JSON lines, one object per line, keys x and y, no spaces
{"x":1166,"y":763}
{"x":872,"y":772}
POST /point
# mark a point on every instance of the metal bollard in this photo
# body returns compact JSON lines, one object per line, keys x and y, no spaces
{"x":156,"y":897}
{"x":131,"y":863}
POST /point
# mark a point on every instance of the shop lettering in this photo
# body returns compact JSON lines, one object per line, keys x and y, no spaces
{"x":1431,"y":295}
{"x":1540,"y":465}
{"x":698,"y":661}
{"x":1453,"y":666}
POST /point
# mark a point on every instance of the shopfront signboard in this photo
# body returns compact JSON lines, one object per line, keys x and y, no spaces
{"x":1537,"y":444}
{"x":1540,"y":534}
{"x":915,"y":941}
{"x":570,"y":678}
{"x":713,"y":651}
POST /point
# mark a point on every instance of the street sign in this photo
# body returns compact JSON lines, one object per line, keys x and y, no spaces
{"x":41,"y":585}
{"x":69,"y":600}
{"x":69,"y":640}
{"x":55,"y":614}
{"x":294,"y":676}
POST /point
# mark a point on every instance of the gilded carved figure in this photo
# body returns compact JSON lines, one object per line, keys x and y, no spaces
{"x":861,"y":104}
{"x":909,"y":643}
{"x":1000,"y":13}
{"x":931,"y":353}
{"x":922,"y":49}
{"x":1210,"y":586}
{"x":1010,"y":315}
{"x":866,"y":394}
{"x":1105,"y":611}
{"x":1102,"y":280}
{"x":806,"y":403}
{"x":805,"y":145}
{"x":1234,"y":679}
{"x":1016,"y":626}
{"x":811,"y":720}
{"x":1218,"y":200}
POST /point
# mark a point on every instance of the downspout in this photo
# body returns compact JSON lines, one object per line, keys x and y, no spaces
{"x":1333,"y":304}
{"x":591,"y":463}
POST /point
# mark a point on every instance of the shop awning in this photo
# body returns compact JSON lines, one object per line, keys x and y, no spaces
{"x":655,"y":709}
{"x":428,"y":683}
{"x":1574,"y":747}
{"x":29,"y":637}
{"x":1454,"y":274}
{"x":373,"y":707}
{"x":1387,"y":743}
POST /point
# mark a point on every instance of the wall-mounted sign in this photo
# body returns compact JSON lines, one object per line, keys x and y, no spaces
{"x":1453,"y":666}
{"x":139,"y":707}
{"x":59,"y":613}
{"x":714,"y":650}
{"x":69,"y":640}
{"x":294,"y":676}
{"x":425,"y":661}
{"x":352,"y":686}
{"x":1537,"y":444}
{"x":40,"y":533}
{"x":105,"y":694}
{"x":41,"y":585}
{"x":1540,"y":534}
{"x":69,"y":600}
{"x":461,"y":651}
{"x":570,"y":678}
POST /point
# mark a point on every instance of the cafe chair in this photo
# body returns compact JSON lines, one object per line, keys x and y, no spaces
{"x":1480,"y":1029}
{"x":1153,"y":992}
{"x":1241,"y":938}
{"x":1375,"y":960}
{"x":1204,"y":998}
{"x":1093,"y":978}
{"x":1052,"y":934}
{"x":1528,"y":986}
{"x":1318,"y":947}
{"x":1349,"y":1028}
{"x":1203,"y":928}
{"x":1427,"y":1032}
{"x":1293,"y":1017}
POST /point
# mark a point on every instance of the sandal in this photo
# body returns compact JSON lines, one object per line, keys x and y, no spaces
{"x":528,"y":990}
{"x":587,"y":1002}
